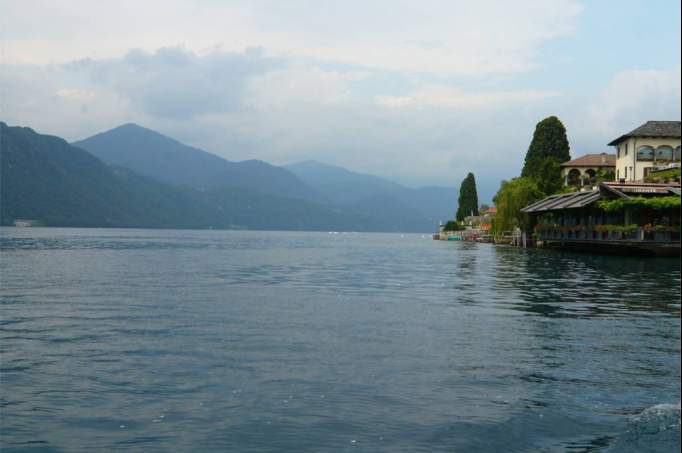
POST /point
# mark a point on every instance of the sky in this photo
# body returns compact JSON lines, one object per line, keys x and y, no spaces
{"x":420,"y":92}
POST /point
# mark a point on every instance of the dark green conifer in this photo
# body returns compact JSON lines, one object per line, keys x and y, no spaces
{"x":547,"y":151}
{"x":468,"y":198}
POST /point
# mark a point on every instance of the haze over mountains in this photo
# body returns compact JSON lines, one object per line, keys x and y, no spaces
{"x":372,"y":195}
{"x":131,"y":176}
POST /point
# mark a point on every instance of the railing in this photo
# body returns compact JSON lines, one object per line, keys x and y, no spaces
{"x":590,"y":234}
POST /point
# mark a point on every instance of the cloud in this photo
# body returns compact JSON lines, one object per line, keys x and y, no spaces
{"x":246,"y":104}
{"x":633,"y":97}
{"x":450,"y":97}
{"x":438,"y":37}
{"x":627,"y":100}
{"x":176,"y":83}
{"x":75,"y":94}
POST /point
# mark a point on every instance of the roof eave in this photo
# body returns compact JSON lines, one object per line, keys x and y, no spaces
{"x":622,"y":138}
{"x":619,"y":140}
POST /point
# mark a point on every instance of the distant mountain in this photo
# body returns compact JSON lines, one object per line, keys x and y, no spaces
{"x":46,"y":179}
{"x":339,"y":185}
{"x":412,"y":209}
{"x":43,"y":178}
{"x":152,"y":154}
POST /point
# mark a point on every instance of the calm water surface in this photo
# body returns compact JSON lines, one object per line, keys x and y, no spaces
{"x":150,"y":340}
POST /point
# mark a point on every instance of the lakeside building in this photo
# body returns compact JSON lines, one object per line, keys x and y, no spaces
{"x":634,"y":222}
{"x":652,"y":146}
{"x":473,"y":228}
{"x":487,"y":218}
{"x":24,"y":223}
{"x":482,"y":221}
{"x":584,"y":170}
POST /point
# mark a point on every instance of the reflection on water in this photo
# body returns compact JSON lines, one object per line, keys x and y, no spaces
{"x":568,"y":284}
{"x":214,"y":340}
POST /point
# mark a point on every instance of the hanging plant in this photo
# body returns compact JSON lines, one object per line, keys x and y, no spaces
{"x":655,"y":203}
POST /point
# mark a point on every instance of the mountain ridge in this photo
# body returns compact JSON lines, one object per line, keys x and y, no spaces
{"x":168,"y":160}
{"x":61,"y":184}
{"x":45,"y":179}
{"x":366,"y":193}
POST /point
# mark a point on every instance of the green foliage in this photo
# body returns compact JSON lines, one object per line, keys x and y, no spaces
{"x":605,"y":175}
{"x":453,"y":225}
{"x":468,"y":198}
{"x":547,"y":173}
{"x":484,"y":207}
{"x":547,"y":151}
{"x":602,"y":228}
{"x":510,"y":199}
{"x":672,"y":174}
{"x":655,"y":203}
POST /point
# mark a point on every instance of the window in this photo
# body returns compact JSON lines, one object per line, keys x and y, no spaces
{"x":618,"y":175}
{"x":677,"y":154}
{"x":664,"y":153}
{"x":645,"y":153}
{"x":627,"y":145}
{"x":626,"y":172}
{"x":618,"y":153}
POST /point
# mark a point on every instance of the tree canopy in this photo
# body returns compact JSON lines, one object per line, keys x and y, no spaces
{"x":468,"y":198}
{"x":548,"y":149}
{"x":510,"y":199}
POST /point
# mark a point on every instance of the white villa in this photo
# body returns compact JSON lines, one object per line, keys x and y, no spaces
{"x":654,"y":145}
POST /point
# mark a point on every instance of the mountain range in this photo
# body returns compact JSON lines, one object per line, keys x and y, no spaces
{"x":131,"y":176}
{"x":149,"y":153}
{"x":409,"y":209}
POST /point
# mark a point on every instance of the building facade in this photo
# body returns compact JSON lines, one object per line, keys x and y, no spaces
{"x":652,"y":146}
{"x":584,"y":170}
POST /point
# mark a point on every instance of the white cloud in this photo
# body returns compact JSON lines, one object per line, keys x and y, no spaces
{"x":75,"y":94}
{"x":449,"y":97}
{"x":634,"y":97}
{"x":444,"y":37}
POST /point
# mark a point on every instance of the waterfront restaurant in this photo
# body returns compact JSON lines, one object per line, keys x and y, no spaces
{"x":613,"y":217}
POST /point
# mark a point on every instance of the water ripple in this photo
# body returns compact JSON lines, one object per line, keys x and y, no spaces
{"x":262,"y":341}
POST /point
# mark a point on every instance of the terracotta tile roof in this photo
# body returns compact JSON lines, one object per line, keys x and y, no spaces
{"x":592,"y":160}
{"x":652,"y":129}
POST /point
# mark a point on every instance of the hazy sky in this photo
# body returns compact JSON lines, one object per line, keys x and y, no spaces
{"x":418,"y":91}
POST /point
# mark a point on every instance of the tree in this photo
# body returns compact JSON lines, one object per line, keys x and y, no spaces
{"x":468,"y":198}
{"x":547,"y":174}
{"x":513,"y":196}
{"x":547,"y":151}
{"x":484,"y":207}
{"x":452,"y":225}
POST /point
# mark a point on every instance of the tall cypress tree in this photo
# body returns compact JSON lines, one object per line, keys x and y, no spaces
{"x":468,"y":198}
{"x":547,"y":151}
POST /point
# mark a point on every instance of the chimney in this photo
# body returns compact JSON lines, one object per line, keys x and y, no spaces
{"x":603,"y":158}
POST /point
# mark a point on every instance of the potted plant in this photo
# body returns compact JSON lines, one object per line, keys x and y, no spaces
{"x":661,"y":233}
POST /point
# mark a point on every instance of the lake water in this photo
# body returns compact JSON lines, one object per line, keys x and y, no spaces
{"x":152,"y":340}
